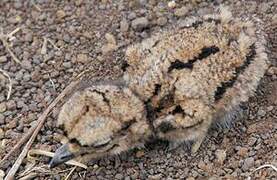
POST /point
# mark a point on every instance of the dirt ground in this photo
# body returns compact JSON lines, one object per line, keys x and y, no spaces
{"x":75,"y":32}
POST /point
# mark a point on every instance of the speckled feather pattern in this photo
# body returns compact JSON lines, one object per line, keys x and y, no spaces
{"x":177,"y":83}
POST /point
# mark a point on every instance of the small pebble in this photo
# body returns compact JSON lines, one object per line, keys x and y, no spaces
{"x":161,"y":21}
{"x":190,"y":178}
{"x":108,"y":48}
{"x":3,"y":107}
{"x":252,"y":141}
{"x":82,"y":58}
{"x":269,"y":108}
{"x":181,"y":11}
{"x":119,"y":176}
{"x":11,"y":105}
{"x":3,"y":59}
{"x":139,"y":154}
{"x":78,"y":2}
{"x":60,"y":14}
{"x":67,"y":65}
{"x":2,"y":119}
{"x":155,"y":177}
{"x":26,"y":64}
{"x":132,"y":15}
{"x":171,"y":4}
{"x":29,"y":37}
{"x":2,"y":174}
{"x":243,"y":151}
{"x":140,"y":23}
{"x":2,"y":133}
{"x":110,"y":38}
{"x":248,"y":163}
{"x":66,"y":38}
{"x":261,"y":112}
{"x":12,"y":124}
{"x":220,"y":156}
{"x":124,"y":25}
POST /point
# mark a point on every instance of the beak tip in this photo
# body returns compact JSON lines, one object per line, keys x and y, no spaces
{"x":52,"y":163}
{"x":61,"y":155}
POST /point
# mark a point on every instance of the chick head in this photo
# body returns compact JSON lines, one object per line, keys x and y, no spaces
{"x":101,"y":120}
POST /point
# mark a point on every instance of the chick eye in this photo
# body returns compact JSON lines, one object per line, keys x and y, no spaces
{"x":166,"y":127}
{"x":74,"y":141}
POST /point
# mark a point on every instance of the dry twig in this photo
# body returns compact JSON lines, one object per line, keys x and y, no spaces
{"x":10,"y":35}
{"x":4,"y":38}
{"x":261,"y":167}
{"x":29,"y":176}
{"x":53,"y":44}
{"x":69,"y":174}
{"x":10,"y":83}
{"x":50,"y":154}
{"x":44,"y":45}
{"x":52,"y":83}
{"x":34,"y":170}
{"x":36,"y":6}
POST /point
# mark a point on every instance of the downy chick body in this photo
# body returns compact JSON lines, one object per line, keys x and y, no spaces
{"x":177,"y":83}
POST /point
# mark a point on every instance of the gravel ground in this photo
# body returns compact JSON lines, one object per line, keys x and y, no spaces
{"x":90,"y":34}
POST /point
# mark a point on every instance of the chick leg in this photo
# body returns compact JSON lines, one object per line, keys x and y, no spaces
{"x":201,"y":136}
{"x":196,"y":145}
{"x":172,"y":146}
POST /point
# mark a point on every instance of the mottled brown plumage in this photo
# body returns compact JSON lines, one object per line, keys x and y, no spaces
{"x":176,"y":85}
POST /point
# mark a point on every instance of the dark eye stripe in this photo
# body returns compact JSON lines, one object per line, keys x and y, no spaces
{"x":205,"y":52}
{"x":220,"y":91}
{"x":75,"y":141}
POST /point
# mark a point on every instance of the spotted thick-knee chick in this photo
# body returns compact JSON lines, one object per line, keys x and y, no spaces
{"x":176,"y":84}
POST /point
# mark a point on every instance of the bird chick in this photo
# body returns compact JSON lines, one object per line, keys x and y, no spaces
{"x":101,"y":120}
{"x":177,"y":83}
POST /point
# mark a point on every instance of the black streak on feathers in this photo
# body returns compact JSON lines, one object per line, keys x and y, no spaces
{"x":205,"y":52}
{"x":239,"y":70}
